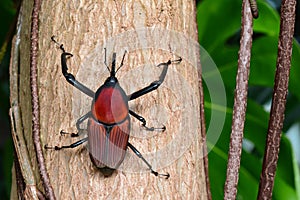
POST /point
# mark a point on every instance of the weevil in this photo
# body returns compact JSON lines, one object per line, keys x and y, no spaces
{"x":109,"y":118}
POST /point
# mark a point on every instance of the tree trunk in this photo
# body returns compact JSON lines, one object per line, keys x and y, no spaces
{"x":151,"y":32}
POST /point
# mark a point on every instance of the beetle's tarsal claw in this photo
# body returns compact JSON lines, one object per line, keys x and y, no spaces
{"x":63,"y":132}
{"x":52,"y":148}
{"x":177,"y":60}
{"x":57,"y":148}
{"x":61,"y":46}
{"x":74,"y":134}
{"x":47,"y":147}
{"x":71,"y":134}
{"x":167,"y":175}
{"x":53,"y":40}
{"x":162,"y":129}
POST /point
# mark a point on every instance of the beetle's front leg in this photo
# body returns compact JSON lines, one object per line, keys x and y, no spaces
{"x":155,"y":84}
{"x":70,"y":77}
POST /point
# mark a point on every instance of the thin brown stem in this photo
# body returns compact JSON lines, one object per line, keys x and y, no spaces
{"x":35,"y":100}
{"x":240,"y":104}
{"x":285,"y":46}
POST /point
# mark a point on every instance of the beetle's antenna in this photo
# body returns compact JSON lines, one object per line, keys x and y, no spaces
{"x":121,"y":61}
{"x":61,"y":46}
{"x":105,"y":60}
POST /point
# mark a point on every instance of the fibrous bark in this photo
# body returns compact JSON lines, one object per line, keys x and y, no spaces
{"x":151,"y":32}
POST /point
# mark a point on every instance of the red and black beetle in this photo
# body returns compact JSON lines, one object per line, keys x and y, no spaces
{"x":109,"y":121}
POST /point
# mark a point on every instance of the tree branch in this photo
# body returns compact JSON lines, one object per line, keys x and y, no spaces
{"x":240,"y":104}
{"x":35,"y":100}
{"x":285,"y":46}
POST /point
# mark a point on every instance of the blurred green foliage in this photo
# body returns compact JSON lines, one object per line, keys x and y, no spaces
{"x":7,"y":14}
{"x":219,"y":24}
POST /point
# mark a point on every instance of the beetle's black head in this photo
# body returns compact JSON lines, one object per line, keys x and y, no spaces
{"x":112,"y":80}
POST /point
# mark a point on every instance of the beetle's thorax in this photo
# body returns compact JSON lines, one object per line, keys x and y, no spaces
{"x":110,"y":104}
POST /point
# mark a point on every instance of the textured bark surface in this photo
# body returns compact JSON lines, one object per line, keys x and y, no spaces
{"x":280,"y":92}
{"x":240,"y":104}
{"x":164,"y":30}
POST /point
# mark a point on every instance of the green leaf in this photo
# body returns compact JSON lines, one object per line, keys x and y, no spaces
{"x":295,"y":70}
{"x":268,"y":20}
{"x":219,"y":16}
{"x":219,"y":31}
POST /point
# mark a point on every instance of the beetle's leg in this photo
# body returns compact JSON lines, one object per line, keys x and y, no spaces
{"x":73,"y":145}
{"x":78,"y":122}
{"x":70,"y":77}
{"x":155,"y":84}
{"x":167,"y":175}
{"x":142,"y":119}
{"x":82,"y":119}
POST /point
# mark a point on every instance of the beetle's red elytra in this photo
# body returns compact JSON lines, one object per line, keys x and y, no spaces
{"x":109,"y":118}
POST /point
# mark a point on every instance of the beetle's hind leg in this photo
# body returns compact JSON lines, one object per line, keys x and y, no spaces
{"x":142,"y":119}
{"x":167,"y":175}
{"x":73,"y":145}
{"x":79,"y":129}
